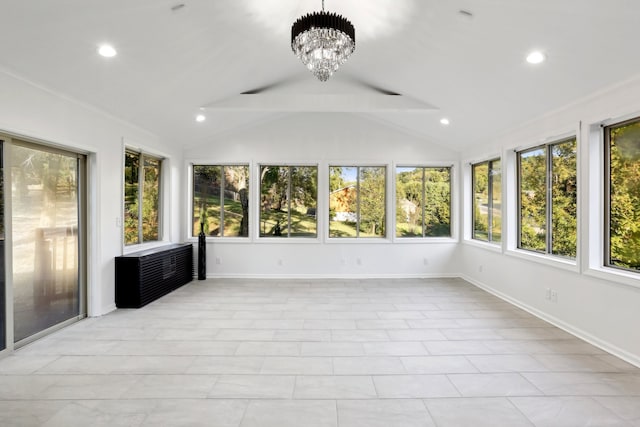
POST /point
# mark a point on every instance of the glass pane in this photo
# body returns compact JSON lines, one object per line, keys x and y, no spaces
{"x":236,"y":201}
{"x":437,"y":215}
{"x":304,"y":201}
{"x":206,"y":199}
{"x":496,"y":201}
{"x":409,"y":201}
{"x":624,"y":223}
{"x":131,"y":184}
{"x":150,"y":199}
{"x":343,"y":201}
{"x":533,"y":199}
{"x":372,"y":202}
{"x":481,"y":201}
{"x":44,"y":213}
{"x":3,"y":322}
{"x":564,"y":199}
{"x":274,"y":201}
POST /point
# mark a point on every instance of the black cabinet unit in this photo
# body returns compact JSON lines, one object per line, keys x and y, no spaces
{"x":143,"y":277}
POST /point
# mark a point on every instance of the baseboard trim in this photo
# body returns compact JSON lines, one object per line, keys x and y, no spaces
{"x":332,"y":276}
{"x":577,"y":332}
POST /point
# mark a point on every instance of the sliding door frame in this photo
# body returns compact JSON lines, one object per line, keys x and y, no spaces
{"x":10,"y":141}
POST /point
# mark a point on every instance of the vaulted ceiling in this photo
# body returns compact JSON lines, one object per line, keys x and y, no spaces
{"x":416,"y":61}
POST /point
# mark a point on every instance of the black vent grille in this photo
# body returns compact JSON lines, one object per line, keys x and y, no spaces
{"x":143,"y":277}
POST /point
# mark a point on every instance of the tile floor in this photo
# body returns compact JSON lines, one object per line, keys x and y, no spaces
{"x":281,"y":353}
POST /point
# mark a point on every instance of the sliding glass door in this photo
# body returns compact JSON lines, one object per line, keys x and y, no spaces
{"x":46,"y":261}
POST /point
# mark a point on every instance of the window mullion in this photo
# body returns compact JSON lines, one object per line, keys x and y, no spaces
{"x":358,"y":201}
{"x":549,"y":198}
{"x":221,"y":201}
{"x":424,"y":201}
{"x":289,"y":168}
{"x":141,"y":172}
{"x":490,"y":201}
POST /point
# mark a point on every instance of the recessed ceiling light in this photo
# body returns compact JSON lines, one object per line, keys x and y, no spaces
{"x":107,"y":51}
{"x":444,"y":121}
{"x":536,"y":57}
{"x":200,"y":118}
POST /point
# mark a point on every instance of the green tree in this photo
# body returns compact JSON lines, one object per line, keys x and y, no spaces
{"x":372,"y":200}
{"x":624,"y":222}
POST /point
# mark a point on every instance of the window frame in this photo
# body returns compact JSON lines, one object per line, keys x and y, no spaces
{"x":289,"y":167}
{"x":423,"y":169}
{"x":606,"y":243}
{"x":385,"y":204}
{"x":548,"y":152}
{"x":490,"y":191}
{"x":142,"y":155}
{"x":192,"y":209}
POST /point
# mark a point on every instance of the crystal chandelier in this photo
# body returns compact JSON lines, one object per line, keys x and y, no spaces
{"x":323,"y":41}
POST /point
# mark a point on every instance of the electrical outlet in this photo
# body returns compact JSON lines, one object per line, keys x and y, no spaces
{"x":425,"y":261}
{"x":554,"y":295}
{"x":547,"y":294}
{"x":480,"y":268}
{"x":218,"y":260}
{"x":359,"y":261}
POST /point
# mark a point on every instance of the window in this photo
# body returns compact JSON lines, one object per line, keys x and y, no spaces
{"x":622,"y":200}
{"x":357,"y":201}
{"x":547,"y":200}
{"x":423,"y":202}
{"x":487,"y":204}
{"x":288,"y":201}
{"x":141,"y":198}
{"x":220,"y":203}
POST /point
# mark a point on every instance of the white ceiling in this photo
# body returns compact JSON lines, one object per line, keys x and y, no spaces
{"x":209,"y":54}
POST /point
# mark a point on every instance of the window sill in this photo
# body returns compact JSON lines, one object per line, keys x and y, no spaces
{"x":493,"y":247}
{"x":424,"y":240}
{"x":212,"y":239}
{"x":614,"y":275}
{"x":143,"y":246}
{"x":357,"y":240}
{"x":552,"y":261}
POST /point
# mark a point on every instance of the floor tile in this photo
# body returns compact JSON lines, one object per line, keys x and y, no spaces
{"x":493,"y":385}
{"x":253,"y":387}
{"x":476,"y":412}
{"x":625,"y":407}
{"x":171,"y":387}
{"x":197,"y":412}
{"x":395,"y":348}
{"x":414,"y":386}
{"x":334,"y":387}
{"x":290,"y":413}
{"x":225,"y":365}
{"x":440,"y":348}
{"x":437,"y":365}
{"x":297,"y":366}
{"x":368,"y":365}
{"x":383,"y":413}
{"x":508,"y":363}
{"x":566,"y":412}
{"x":27,"y":413}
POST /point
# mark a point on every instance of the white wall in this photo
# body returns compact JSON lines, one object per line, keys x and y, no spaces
{"x":324,"y":139}
{"x":36,"y":113}
{"x":599,"y":304}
